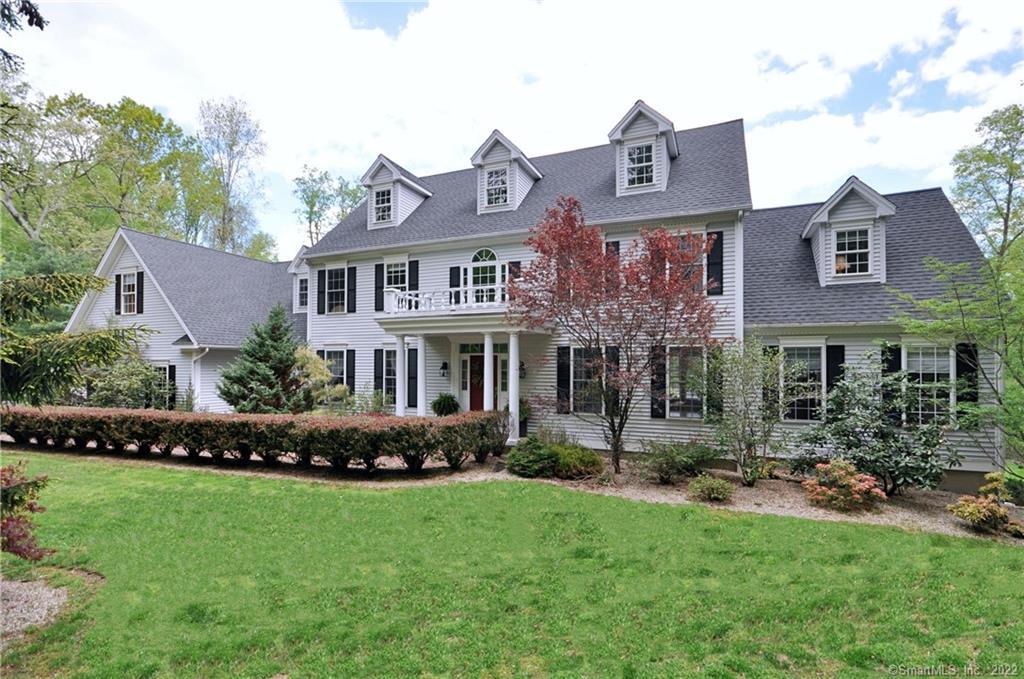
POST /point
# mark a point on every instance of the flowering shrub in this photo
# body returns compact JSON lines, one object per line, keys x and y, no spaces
{"x":983,"y":513}
{"x":838,"y":485}
{"x":708,"y":488}
{"x":18,"y":500}
{"x":337,"y":440}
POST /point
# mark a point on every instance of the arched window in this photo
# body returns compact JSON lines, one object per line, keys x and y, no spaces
{"x":484,"y":275}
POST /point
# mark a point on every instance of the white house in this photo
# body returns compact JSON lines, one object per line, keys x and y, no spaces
{"x":407,"y":294}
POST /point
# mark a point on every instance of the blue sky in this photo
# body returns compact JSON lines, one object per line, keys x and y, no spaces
{"x":888,"y":92}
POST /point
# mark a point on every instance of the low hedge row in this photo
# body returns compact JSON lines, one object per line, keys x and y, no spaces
{"x":339,"y":441}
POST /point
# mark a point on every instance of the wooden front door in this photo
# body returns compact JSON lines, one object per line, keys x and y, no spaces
{"x":476,"y":382}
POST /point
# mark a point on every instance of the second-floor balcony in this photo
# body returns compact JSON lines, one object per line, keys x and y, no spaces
{"x":483,"y":299}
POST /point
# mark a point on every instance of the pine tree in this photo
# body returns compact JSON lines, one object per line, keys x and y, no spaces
{"x":263,"y":378}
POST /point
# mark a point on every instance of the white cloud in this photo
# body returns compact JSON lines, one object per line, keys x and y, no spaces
{"x":552,"y":75}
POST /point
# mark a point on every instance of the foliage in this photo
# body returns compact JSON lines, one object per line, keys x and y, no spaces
{"x":838,"y":485}
{"x":531,"y":459}
{"x":19,"y":497}
{"x":42,"y":367}
{"x":748,"y":384}
{"x":868,"y":430}
{"x":12,"y":12}
{"x":444,"y":404}
{"x":264,"y":378}
{"x":551,"y":433}
{"x":130,"y":382}
{"x":1005,"y":486}
{"x":576,"y":462}
{"x":982,"y":307}
{"x":303,"y":438}
{"x":636,"y":303}
{"x":667,"y":461}
{"x":707,"y":488}
{"x":324,"y":200}
{"x":983,"y":513}
{"x":313,"y":373}
{"x":1014,"y":480}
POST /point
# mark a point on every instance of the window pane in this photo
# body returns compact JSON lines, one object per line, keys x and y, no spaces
{"x":382,"y":205}
{"x":586,"y":383}
{"x":395,"y":275}
{"x":335,"y":292}
{"x":336,"y":363}
{"x":807,"y":385}
{"x":852,"y":252}
{"x":303,"y":292}
{"x":390,"y":376}
{"x":685,"y":370}
{"x":928,"y":375}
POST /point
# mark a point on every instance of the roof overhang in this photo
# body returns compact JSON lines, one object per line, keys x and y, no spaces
{"x":665,"y":126}
{"x":883,"y":206}
{"x":498,"y":138}
{"x":297,"y":260}
{"x":396,"y":173}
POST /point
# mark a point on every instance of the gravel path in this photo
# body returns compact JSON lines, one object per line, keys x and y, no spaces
{"x":24,"y":604}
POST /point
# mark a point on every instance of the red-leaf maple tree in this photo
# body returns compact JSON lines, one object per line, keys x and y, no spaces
{"x":617,"y":309}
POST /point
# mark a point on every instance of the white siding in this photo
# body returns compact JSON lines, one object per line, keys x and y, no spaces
{"x":209,"y":367}
{"x":523,"y":182}
{"x":852,"y":206}
{"x":661,"y":164}
{"x":156,"y":315}
{"x":408,"y":200}
{"x":498,"y":153}
{"x":641,"y":126}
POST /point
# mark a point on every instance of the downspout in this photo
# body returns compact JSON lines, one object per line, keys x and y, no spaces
{"x":195,"y":374}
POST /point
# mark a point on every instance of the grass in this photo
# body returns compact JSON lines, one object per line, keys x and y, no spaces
{"x":219,"y":575}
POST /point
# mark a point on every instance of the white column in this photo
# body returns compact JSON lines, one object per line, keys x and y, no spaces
{"x":453,"y":368}
{"x":513,"y":384}
{"x":488,"y":371}
{"x":421,"y":376}
{"x":401,"y":382}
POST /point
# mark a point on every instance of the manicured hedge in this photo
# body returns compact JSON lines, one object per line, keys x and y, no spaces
{"x":338,"y":441}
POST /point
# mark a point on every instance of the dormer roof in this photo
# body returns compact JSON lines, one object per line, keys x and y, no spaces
{"x":398,"y":174}
{"x":515,"y":153}
{"x":883,"y":206}
{"x":665,"y":126}
{"x":297,"y":260}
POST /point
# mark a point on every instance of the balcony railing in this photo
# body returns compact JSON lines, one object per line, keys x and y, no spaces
{"x":482,"y":298}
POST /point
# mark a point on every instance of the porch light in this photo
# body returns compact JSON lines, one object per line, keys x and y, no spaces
{"x":522,"y":370}
{"x":444,"y":368}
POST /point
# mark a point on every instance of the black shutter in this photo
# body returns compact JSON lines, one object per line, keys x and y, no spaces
{"x":563,"y":375}
{"x":411,"y":356}
{"x":321,"y":292}
{"x":414,"y":275}
{"x":611,"y":247}
{"x":716,"y":264}
{"x":835,"y":356}
{"x":455,"y":282}
{"x":322,"y":354}
{"x":378,"y":287}
{"x":967,"y":373}
{"x":611,"y":360}
{"x":350,"y":292}
{"x":172,"y":386}
{"x":139,"y":287}
{"x":117,"y":294}
{"x":611,"y":276}
{"x":715,"y":383}
{"x":350,"y":370}
{"x":378,"y":370}
{"x":515,"y":270}
{"x":658,"y":382}
{"x":892,"y":362}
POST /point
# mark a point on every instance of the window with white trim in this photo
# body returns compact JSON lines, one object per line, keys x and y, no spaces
{"x":684,"y":373}
{"x":396,"y":275}
{"x":128,"y":290}
{"x":497,"y":187}
{"x":382,"y":205}
{"x":807,"y":388}
{"x":929,"y":372}
{"x":853,"y":252}
{"x":483,"y":273}
{"x":586,"y":381}
{"x":336,"y":364}
{"x":303,"y":293}
{"x":640,"y":165}
{"x":335,"y":291}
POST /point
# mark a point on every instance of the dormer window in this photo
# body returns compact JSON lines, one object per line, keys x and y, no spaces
{"x":640,"y":165}
{"x":497,"y":187}
{"x":853,"y":252}
{"x":382,"y":206}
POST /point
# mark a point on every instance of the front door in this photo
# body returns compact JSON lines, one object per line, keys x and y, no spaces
{"x":476,"y":382}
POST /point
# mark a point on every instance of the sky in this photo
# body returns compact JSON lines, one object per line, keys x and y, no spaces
{"x":884,"y":90}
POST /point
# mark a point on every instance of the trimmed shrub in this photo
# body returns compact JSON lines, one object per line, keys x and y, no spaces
{"x":576,"y":461}
{"x":983,"y":513}
{"x":666,"y":461}
{"x":532,"y":459}
{"x":837,"y":485}
{"x":445,"y":404}
{"x":707,"y":488}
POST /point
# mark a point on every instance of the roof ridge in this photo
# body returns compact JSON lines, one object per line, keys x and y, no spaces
{"x":201,"y":247}
{"x":822,"y":202}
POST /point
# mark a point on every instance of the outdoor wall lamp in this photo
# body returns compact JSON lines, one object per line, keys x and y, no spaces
{"x":444,"y":368}
{"x":522,"y":370}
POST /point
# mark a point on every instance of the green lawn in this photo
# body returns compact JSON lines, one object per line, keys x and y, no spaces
{"x":214,"y":575}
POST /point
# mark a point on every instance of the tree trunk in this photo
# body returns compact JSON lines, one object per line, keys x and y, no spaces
{"x":617,"y":452}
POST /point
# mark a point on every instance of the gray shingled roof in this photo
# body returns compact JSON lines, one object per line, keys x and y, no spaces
{"x":218,"y":295}
{"x":781,"y":284}
{"x":709,"y":175}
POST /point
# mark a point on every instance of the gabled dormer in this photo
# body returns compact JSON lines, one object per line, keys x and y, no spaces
{"x":299,"y":271}
{"x":504,"y":174}
{"x":847,"y":235}
{"x":645,"y":144}
{"x":392,"y":193}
